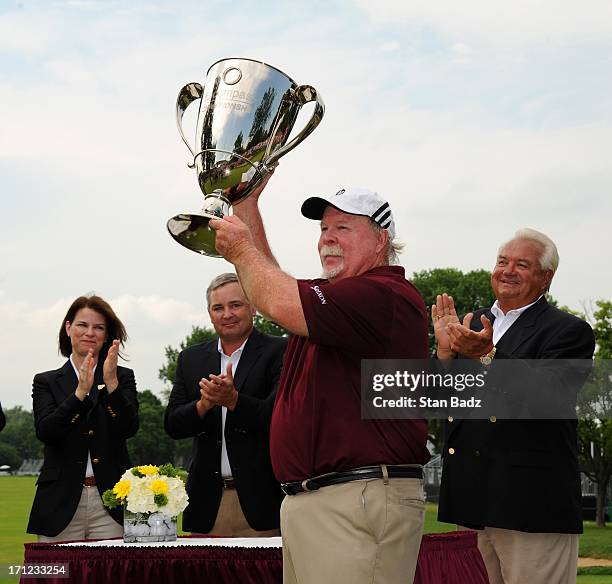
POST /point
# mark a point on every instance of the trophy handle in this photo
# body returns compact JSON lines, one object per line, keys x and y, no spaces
{"x":302,"y":94}
{"x":188,"y":94}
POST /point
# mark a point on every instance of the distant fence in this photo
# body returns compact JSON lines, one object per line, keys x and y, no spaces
{"x":432,"y":475}
{"x":590,"y":488}
{"x":30,"y":466}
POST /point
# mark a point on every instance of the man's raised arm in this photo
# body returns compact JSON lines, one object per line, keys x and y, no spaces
{"x":248,"y":212}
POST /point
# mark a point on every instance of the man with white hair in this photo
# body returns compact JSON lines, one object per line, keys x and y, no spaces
{"x":516,"y":481}
{"x":354,"y":508}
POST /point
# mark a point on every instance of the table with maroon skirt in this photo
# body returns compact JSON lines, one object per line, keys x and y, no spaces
{"x":446,"y":558}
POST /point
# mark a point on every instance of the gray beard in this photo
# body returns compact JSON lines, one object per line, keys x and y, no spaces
{"x":330,"y":274}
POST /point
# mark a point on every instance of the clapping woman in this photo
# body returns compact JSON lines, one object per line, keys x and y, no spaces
{"x":83,"y":413}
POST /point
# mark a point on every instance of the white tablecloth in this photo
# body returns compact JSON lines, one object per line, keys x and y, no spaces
{"x":244,"y":542}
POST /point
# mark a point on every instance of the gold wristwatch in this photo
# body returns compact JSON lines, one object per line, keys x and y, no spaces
{"x":488,"y":358}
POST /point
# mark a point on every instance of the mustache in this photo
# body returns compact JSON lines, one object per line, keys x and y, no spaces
{"x":331,"y":250}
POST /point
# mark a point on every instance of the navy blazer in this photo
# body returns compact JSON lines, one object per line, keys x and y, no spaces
{"x":246,"y":432}
{"x":519,"y":474}
{"x":69,"y":428}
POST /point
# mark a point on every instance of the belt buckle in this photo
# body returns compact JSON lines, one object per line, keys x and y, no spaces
{"x":228,"y":483}
{"x":290,"y":489}
{"x":89,"y":482}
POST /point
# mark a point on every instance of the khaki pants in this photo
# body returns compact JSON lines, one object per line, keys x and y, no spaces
{"x":231,"y":521}
{"x":363,"y":531}
{"x":90,"y":520}
{"x":518,"y":557}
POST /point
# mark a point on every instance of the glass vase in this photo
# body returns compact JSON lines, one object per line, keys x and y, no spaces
{"x":148,"y":527}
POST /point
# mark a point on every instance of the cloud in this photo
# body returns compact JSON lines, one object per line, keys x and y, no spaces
{"x":25,"y":32}
{"x":155,"y":309}
{"x":504,"y":25}
{"x":390,"y":47}
{"x":463,"y":53}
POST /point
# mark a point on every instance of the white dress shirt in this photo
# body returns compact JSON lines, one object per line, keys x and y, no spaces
{"x":503,"y":321}
{"x":89,"y":472}
{"x":234,"y":359}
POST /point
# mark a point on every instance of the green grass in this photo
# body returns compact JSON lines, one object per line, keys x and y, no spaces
{"x":596,"y":542}
{"x":17,"y":493}
{"x":432,"y":525}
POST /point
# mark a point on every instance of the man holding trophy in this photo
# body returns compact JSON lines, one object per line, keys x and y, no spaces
{"x":354,"y":487}
{"x":355,"y":505}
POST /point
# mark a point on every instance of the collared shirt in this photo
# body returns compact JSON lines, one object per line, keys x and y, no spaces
{"x":503,"y":321}
{"x":317,"y":425}
{"x":234,"y":359}
{"x":89,"y":472}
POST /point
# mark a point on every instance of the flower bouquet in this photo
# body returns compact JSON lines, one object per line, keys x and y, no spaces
{"x":152,"y":497}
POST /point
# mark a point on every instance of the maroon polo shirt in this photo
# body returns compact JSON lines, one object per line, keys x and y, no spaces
{"x":316,"y":423}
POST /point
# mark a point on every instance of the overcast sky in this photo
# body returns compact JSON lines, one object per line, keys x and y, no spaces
{"x":473,"y":118}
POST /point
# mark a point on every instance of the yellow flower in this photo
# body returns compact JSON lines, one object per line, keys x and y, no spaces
{"x":148,"y":469}
{"x":159,"y":486}
{"x":122,"y":488}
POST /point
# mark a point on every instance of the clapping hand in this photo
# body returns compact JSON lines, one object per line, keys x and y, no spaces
{"x":443,"y":313}
{"x":86,"y":376}
{"x":470,"y":343}
{"x":219,"y":389}
{"x":109,"y":370}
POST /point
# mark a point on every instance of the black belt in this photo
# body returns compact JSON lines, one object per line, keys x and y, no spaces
{"x":367,"y":472}
{"x":228,"y":483}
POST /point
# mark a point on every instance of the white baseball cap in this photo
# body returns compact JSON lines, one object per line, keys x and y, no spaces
{"x":356,"y":201}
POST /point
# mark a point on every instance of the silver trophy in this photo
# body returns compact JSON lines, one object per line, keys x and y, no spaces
{"x":247,"y":111}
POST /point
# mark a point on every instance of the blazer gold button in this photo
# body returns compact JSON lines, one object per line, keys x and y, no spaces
{"x":96,"y":460}
{"x":450,"y":418}
{"x":91,"y":432}
{"x":477,"y":453}
{"x":451,"y":451}
{"x":493,"y":419}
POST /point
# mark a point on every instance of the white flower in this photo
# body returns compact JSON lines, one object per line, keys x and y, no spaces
{"x":141,"y":498}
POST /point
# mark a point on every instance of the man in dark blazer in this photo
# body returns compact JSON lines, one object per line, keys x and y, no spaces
{"x":516,"y":481}
{"x":2,"y":419}
{"x":223,"y":396}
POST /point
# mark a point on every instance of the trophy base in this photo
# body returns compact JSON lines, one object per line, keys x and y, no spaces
{"x":192,"y":231}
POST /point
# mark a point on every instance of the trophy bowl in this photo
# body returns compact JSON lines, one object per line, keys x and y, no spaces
{"x":247,"y":111}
